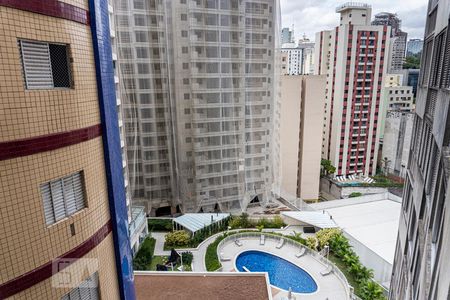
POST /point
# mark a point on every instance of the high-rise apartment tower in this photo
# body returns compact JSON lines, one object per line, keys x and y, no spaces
{"x":199,"y":96}
{"x":352,"y":56}
{"x":63,"y":215}
{"x":422,"y":258}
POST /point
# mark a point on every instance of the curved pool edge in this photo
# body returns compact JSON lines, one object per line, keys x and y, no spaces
{"x":272,"y":285}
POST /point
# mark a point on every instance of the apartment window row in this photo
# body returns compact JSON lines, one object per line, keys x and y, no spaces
{"x":63,"y":197}
{"x":87,"y":290}
{"x":45,"y":65}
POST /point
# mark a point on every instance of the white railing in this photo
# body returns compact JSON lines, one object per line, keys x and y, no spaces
{"x":316,"y":255}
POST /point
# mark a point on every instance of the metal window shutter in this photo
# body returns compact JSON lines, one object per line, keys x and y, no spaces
{"x":78,"y":188}
{"x":47,"y":201}
{"x":37,"y":65}
{"x":69,"y":195}
{"x":58,"y":200}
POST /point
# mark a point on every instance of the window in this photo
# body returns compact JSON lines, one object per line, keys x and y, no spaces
{"x":45,"y":65}
{"x":183,"y":17}
{"x":63,"y":197}
{"x":87,"y":290}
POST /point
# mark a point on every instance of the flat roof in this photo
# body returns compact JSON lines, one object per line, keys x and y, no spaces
{"x":314,"y":218}
{"x":194,"y":285}
{"x":195,"y":222}
{"x":372,"y":220}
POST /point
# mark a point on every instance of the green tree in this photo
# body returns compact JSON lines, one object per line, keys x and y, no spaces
{"x":412,"y":62}
{"x":326,"y":167}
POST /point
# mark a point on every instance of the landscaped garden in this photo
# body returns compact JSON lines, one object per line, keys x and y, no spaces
{"x":182,"y":239}
{"x":146,"y":261}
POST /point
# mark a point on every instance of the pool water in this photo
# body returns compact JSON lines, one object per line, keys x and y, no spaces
{"x":282,"y":273}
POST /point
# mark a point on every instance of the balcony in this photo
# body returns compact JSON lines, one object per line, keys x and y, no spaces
{"x":138,"y":222}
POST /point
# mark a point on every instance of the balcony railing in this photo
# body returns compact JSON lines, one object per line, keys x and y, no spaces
{"x":137,"y":219}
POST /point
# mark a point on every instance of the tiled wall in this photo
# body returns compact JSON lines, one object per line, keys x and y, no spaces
{"x":26,"y":242}
{"x":29,"y":113}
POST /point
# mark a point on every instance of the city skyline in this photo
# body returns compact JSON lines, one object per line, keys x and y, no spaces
{"x":320,"y":15}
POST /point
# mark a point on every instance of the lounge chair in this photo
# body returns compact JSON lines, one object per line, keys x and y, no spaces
{"x":223,"y":257}
{"x":280,"y":244}
{"x":327,"y":271}
{"x":262,"y":239}
{"x":300,"y":253}
{"x":238,"y":243}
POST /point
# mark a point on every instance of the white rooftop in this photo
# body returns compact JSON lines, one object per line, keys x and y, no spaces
{"x":314,"y":218}
{"x":195,"y":222}
{"x":372,"y":220}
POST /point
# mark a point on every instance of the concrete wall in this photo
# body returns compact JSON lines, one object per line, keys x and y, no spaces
{"x":397,"y":140}
{"x":339,"y":192}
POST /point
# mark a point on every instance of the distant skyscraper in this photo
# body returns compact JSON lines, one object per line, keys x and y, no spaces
{"x":353,"y":57}
{"x":294,"y":60}
{"x":414,"y":47}
{"x":421,"y":263}
{"x":199,"y":96}
{"x":398,"y":39}
{"x":287,"y":36}
{"x":308,"y":55}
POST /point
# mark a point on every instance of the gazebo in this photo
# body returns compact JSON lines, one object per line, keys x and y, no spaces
{"x":200,"y":221}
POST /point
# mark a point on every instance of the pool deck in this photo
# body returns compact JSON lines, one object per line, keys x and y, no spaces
{"x":329,"y":287}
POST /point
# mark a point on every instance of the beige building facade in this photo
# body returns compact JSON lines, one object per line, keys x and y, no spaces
{"x":302,"y":102}
{"x":55,"y":214}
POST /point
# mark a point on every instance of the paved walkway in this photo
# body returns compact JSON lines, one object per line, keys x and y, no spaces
{"x":160,"y":237}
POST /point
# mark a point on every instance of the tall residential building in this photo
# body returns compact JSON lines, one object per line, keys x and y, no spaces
{"x":200,"y":100}
{"x":398,"y":39}
{"x":302,"y":101}
{"x":138,"y":227}
{"x":414,"y":46}
{"x":352,"y":56}
{"x":294,"y":59}
{"x":287,"y":36}
{"x":63,"y":209}
{"x":308,"y":55}
{"x":422,"y":258}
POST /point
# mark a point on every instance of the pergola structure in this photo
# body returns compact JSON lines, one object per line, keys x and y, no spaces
{"x":201,"y":221}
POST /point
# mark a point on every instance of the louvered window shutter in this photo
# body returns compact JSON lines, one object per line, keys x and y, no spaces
{"x":48,"y":204}
{"x":69,"y":195}
{"x":59,"y":207}
{"x":79,"y":191}
{"x":36,"y":65}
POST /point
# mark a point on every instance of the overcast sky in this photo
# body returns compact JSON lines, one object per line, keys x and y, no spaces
{"x":311,"y":16}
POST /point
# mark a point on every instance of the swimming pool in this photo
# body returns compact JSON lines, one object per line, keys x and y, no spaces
{"x":282,"y":273}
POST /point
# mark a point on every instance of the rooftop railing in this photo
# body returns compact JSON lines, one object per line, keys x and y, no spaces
{"x":352,"y":5}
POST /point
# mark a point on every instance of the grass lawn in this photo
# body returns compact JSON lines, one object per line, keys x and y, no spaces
{"x":162,"y":260}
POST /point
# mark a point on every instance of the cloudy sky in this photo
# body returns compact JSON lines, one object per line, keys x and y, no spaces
{"x":310,"y":16}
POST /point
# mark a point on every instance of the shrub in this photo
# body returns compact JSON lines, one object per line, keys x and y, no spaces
{"x":325,"y":235}
{"x":311,"y":242}
{"x":241,"y":221}
{"x":371,"y":290}
{"x":187,"y":257}
{"x":144,"y":256}
{"x":179,"y":238}
{"x":355,"y":194}
{"x":211,"y":260}
{"x":277,"y":222}
{"x":159,"y":224}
